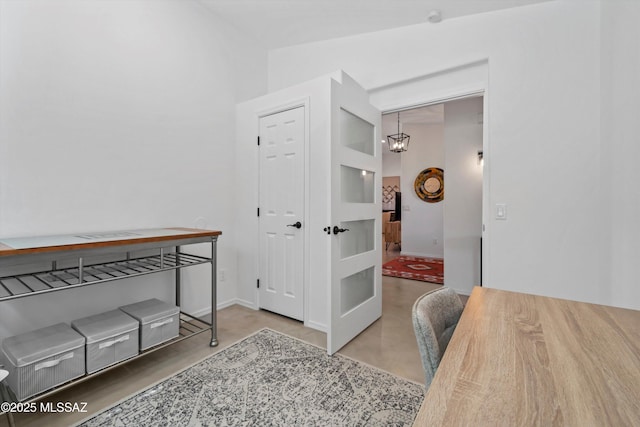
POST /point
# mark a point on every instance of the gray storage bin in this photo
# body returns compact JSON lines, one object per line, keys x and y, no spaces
{"x":159,"y":321}
{"x":42,"y":359}
{"x":111,"y":338}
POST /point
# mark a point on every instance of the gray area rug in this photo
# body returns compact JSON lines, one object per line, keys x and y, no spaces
{"x":271,"y":379}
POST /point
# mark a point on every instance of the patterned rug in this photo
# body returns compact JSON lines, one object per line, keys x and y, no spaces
{"x":416,"y":268}
{"x":271,"y":379}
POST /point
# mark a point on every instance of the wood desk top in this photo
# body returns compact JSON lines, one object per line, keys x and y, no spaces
{"x":525,"y":360}
{"x":40,"y":244}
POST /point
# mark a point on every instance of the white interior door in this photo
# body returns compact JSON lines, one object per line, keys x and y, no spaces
{"x":281,"y":267}
{"x":356,"y":213}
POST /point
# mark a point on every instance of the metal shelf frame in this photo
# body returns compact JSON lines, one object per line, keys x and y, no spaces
{"x":57,"y":279}
{"x":125,"y":266}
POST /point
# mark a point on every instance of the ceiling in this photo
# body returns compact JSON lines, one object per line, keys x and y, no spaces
{"x":280,"y":23}
{"x":429,"y":114}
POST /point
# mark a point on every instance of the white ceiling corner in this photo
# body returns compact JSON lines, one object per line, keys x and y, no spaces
{"x":280,"y":23}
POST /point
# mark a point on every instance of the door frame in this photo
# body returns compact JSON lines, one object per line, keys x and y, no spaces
{"x":296,"y":103}
{"x":485,"y":181}
{"x":459,"y":81}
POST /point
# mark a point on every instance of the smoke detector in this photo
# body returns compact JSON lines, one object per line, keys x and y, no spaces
{"x":434,"y":16}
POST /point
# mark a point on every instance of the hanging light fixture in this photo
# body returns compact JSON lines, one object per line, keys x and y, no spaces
{"x":398,"y":142}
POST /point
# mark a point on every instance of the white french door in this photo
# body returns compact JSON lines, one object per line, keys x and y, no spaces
{"x":281,"y":262}
{"x":355,"y":299}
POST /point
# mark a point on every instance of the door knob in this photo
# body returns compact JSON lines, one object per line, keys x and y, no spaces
{"x":337,"y":230}
{"x":296,"y":225}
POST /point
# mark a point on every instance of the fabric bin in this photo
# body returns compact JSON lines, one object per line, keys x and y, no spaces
{"x":159,"y":321}
{"x":42,"y":359}
{"x":111,"y":338}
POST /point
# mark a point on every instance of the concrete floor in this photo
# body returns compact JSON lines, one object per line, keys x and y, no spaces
{"x":388,"y":344}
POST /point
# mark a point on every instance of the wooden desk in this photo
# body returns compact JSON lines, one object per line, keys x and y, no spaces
{"x":524,"y":360}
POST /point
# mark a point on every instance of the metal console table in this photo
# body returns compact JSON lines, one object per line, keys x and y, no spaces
{"x":65,"y":274}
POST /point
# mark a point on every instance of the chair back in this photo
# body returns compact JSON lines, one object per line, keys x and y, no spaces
{"x":435,"y":317}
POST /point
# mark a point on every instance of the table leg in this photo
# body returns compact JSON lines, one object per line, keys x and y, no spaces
{"x":214,"y":290}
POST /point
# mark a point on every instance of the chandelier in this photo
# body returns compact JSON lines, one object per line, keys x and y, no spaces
{"x":398,"y":142}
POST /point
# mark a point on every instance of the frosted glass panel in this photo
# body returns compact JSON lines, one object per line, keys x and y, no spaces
{"x":357,"y":185}
{"x":355,"y":133}
{"x":359,"y":238}
{"x":356,"y":289}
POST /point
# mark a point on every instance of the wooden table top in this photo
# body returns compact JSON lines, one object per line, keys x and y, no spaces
{"x":39,"y":244}
{"x":525,"y":360}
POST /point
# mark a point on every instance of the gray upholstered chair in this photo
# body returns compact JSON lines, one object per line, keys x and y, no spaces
{"x":435,"y":316}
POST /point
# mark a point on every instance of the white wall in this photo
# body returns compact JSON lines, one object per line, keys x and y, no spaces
{"x":391,"y":165}
{"x":422,"y":222}
{"x":463,"y":194}
{"x":543,"y":118}
{"x":620,"y":150}
{"x":119,"y":115}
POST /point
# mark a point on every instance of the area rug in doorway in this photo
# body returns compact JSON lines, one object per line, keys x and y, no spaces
{"x":271,"y":379}
{"x":416,"y":268}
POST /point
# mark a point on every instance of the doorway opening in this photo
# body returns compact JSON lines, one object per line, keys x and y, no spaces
{"x":440,"y":238}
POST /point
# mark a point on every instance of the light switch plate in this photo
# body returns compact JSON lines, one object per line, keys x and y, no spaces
{"x":501,"y":211}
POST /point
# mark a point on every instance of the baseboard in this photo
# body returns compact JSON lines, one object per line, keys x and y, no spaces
{"x":403,"y":253}
{"x":315,"y":325}
{"x":237,"y":301}
{"x":207,"y":310}
{"x":201,"y":313}
{"x":226,"y":304}
{"x":249,"y":304}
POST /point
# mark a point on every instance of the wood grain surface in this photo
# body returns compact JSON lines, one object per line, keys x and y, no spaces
{"x":181,"y":233}
{"x":525,"y":360}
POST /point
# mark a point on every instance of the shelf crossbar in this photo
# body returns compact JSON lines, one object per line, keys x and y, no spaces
{"x":68,"y":278}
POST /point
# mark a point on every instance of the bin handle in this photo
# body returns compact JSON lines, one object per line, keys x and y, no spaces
{"x":52,"y":363}
{"x":112,"y":342}
{"x":158,"y":324}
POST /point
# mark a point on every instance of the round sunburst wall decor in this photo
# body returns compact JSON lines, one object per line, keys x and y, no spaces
{"x":429,"y":185}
